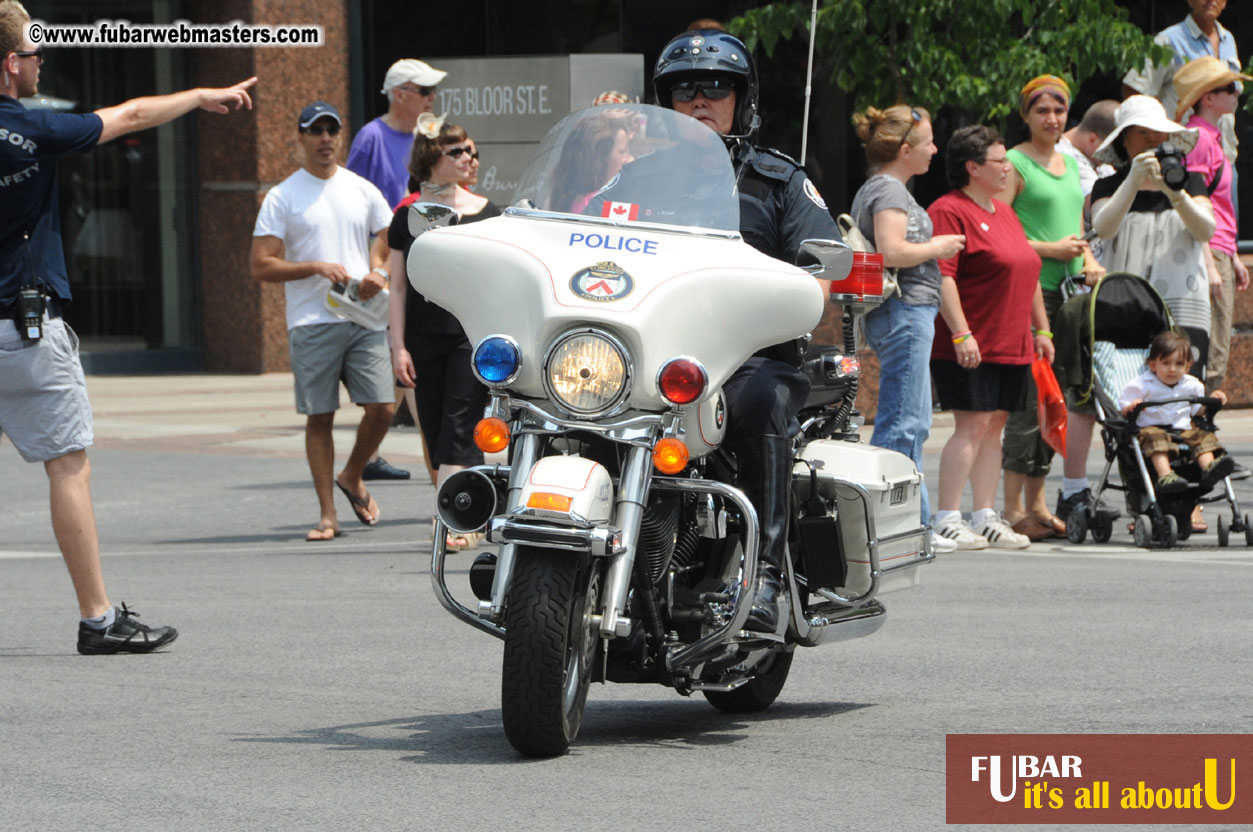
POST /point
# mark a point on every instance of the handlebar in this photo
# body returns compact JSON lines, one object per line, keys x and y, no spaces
{"x":1211,"y":405}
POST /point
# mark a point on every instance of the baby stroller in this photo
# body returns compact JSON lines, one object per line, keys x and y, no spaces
{"x":1107,"y":343}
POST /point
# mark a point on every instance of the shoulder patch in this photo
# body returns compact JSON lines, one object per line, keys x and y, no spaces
{"x":812,"y":193}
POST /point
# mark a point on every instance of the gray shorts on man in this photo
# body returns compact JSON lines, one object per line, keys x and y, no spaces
{"x":323,"y":355}
{"x":43,"y":407}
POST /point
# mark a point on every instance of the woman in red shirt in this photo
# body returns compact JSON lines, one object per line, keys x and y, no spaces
{"x":990,"y":302}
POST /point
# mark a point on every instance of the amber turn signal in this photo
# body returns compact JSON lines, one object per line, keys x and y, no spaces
{"x":491,"y":435}
{"x":549,"y":502}
{"x":670,"y":456}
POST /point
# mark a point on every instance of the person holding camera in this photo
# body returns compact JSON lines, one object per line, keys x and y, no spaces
{"x":1155,"y":215}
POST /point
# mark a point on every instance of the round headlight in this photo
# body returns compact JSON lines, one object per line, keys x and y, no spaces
{"x":497,"y":360}
{"x":586,"y":373}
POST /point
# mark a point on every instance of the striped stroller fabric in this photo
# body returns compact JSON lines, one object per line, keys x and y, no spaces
{"x":1115,"y":368}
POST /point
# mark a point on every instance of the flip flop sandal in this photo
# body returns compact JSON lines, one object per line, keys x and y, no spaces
{"x":359,"y":505}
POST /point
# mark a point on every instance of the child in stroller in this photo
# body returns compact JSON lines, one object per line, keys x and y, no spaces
{"x":1104,"y":338}
{"x":1164,"y":399}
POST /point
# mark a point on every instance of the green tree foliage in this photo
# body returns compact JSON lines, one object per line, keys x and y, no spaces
{"x":970,"y":55}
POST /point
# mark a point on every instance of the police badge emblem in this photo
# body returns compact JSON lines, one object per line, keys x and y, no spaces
{"x":606,"y":281}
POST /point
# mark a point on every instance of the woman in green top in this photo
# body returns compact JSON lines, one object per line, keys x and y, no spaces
{"x":1045,"y":193}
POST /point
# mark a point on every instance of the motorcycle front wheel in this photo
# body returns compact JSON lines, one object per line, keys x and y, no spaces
{"x":759,"y":692}
{"x":550,"y":649}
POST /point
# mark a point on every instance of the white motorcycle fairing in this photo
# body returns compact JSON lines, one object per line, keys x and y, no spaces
{"x":681,"y":294}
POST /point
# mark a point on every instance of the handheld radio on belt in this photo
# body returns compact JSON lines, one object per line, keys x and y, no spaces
{"x":30,"y":303}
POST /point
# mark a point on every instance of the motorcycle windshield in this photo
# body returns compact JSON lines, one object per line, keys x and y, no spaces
{"x":633,"y":163}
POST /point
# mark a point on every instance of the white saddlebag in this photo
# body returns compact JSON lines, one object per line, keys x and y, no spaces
{"x":877,"y":493}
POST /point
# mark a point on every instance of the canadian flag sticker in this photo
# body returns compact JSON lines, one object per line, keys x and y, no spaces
{"x":620,"y":211}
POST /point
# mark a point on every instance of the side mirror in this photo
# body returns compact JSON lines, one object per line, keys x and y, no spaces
{"x":836,"y":258}
{"x":423,"y":216}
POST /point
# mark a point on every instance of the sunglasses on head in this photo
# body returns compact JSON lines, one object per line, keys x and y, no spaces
{"x":319,"y":129}
{"x":917,"y":117}
{"x":37,"y":54}
{"x":456,"y":152}
{"x":715,"y":90}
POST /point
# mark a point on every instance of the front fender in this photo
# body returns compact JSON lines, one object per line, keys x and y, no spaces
{"x":568,"y":490}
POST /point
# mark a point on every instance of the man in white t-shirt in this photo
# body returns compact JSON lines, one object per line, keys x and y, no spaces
{"x":314,"y":230}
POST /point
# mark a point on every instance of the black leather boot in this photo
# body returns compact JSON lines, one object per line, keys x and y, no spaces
{"x":765,"y":477}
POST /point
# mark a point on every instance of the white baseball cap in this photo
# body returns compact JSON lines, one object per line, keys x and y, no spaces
{"x":411,"y":70}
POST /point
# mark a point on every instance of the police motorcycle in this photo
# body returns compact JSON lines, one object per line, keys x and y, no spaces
{"x":624,"y":550}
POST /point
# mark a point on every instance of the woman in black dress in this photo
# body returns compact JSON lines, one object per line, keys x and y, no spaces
{"x":427,"y":342}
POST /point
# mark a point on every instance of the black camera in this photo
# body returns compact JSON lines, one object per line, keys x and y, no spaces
{"x":1170,"y":160}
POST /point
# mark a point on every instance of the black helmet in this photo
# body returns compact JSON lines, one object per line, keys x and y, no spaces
{"x":704,"y":53}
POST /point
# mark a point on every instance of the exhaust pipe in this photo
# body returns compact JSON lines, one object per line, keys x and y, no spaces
{"x":467,"y":500}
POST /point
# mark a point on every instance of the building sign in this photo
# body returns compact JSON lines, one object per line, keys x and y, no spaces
{"x":507,"y":105}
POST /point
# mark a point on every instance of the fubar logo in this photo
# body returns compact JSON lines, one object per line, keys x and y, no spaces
{"x":1099,"y":778}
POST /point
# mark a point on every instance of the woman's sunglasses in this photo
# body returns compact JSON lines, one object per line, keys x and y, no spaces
{"x":456,"y":152}
{"x":1230,"y":89}
{"x":917,"y":117}
{"x":714,"y":90}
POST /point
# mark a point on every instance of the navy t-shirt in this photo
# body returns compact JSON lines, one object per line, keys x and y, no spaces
{"x":31,"y":142}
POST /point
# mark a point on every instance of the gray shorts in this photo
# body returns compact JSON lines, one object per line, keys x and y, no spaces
{"x":322,"y":355}
{"x":43,"y":396}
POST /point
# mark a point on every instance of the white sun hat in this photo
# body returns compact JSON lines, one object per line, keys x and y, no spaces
{"x":1148,"y":112}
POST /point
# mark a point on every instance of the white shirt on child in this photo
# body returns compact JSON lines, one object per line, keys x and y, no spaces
{"x":1148,"y":387}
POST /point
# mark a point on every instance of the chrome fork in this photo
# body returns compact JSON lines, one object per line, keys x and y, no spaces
{"x":637,"y":474}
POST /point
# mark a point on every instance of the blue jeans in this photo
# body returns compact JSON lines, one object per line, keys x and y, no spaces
{"x":901,"y":336}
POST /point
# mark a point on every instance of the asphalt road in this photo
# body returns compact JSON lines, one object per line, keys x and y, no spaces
{"x":321,"y":686}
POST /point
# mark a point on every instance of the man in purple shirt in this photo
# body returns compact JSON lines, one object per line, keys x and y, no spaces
{"x":380,"y":153}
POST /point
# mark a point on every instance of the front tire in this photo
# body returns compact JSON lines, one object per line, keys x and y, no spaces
{"x":759,"y":692}
{"x":550,"y":649}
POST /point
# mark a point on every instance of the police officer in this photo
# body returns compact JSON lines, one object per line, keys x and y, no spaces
{"x":708,"y":75}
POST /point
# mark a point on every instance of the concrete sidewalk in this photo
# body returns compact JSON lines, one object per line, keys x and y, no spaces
{"x":252,"y":414}
{"x":257,"y":414}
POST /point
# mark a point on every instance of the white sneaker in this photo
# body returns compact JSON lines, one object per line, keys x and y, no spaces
{"x":955,"y":529}
{"x":998,"y":533}
{"x":942,"y":545}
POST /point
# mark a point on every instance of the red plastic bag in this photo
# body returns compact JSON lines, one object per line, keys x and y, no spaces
{"x":1051,"y":405}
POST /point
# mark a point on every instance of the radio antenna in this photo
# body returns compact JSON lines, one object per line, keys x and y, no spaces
{"x":809,"y":80}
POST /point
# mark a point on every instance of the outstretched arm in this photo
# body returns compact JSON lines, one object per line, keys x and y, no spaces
{"x":151,"y":111}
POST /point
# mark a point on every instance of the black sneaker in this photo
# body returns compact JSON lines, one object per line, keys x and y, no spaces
{"x":1239,"y":472}
{"x":1065,"y":505}
{"x":381,"y":469}
{"x":126,"y":635}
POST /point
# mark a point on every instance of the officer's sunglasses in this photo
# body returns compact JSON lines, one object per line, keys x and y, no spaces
{"x":714,"y":90}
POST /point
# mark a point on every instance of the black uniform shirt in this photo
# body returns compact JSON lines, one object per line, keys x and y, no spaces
{"x":779,"y":206}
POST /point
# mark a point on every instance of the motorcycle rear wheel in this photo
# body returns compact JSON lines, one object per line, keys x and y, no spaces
{"x":550,"y":649}
{"x":759,"y":692}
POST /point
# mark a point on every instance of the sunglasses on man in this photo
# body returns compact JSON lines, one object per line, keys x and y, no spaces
{"x":715,"y":90}
{"x":456,"y":152}
{"x":422,"y":91}
{"x":37,"y":54}
{"x":319,"y":129}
